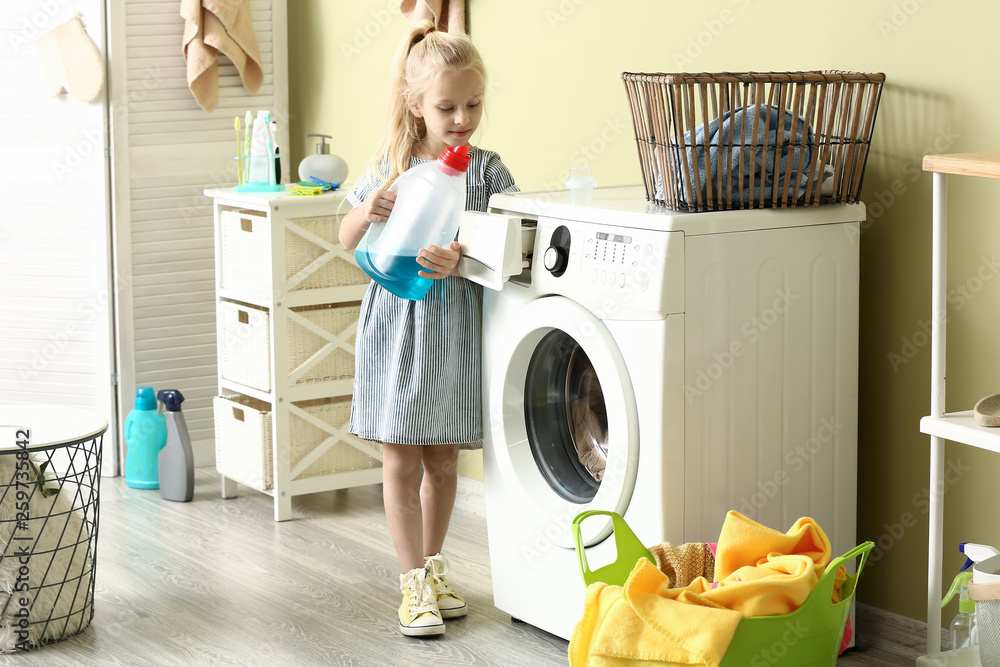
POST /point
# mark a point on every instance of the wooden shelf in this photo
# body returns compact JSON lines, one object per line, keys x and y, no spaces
{"x":985,"y":165}
{"x":962,"y":427}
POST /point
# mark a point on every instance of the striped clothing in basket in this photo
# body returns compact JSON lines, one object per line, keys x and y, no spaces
{"x":418,"y":366}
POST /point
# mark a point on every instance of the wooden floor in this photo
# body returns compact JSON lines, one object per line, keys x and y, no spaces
{"x":218,"y":582}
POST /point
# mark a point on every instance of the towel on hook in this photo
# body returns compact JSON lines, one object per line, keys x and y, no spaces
{"x":211,"y":26}
{"x":447,"y":15}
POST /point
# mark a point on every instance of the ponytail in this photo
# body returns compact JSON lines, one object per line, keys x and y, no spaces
{"x":422,"y":54}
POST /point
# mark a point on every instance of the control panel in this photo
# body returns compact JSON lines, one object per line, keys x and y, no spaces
{"x":639,"y":271}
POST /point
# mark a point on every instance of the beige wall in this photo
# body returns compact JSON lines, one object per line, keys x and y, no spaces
{"x":557,"y":99}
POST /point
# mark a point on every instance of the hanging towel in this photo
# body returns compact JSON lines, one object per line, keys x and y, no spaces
{"x":219,"y":25}
{"x":447,"y":15}
{"x":761,"y":573}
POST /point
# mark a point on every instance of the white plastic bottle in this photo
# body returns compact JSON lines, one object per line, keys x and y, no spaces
{"x":430,"y":199}
{"x":176,"y":460}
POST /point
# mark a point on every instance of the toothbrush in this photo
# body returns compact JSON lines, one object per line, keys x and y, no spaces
{"x":239,"y":155}
{"x":270,"y":146}
{"x":246,"y":144}
{"x":277,"y":159}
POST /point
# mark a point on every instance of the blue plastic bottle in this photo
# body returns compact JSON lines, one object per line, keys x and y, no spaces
{"x":430,"y":199}
{"x":145,"y":436}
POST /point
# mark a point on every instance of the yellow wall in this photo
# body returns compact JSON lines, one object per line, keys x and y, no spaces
{"x":557,"y":99}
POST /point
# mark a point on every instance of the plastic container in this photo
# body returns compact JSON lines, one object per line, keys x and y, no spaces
{"x":823,"y":620}
{"x":984,"y":590}
{"x":581,"y":184}
{"x":145,"y":436}
{"x":962,"y":629}
{"x":176,"y":460}
{"x":430,"y":200}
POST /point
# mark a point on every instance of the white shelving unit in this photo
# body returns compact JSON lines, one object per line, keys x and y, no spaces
{"x":287,"y":299}
{"x":957,"y":426}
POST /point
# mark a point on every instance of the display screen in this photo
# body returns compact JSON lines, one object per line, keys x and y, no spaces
{"x":614,"y":238}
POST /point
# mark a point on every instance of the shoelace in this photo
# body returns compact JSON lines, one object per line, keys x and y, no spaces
{"x":437,"y":566}
{"x":422,"y":598}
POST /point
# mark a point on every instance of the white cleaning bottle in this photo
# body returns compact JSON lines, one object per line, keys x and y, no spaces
{"x":176,"y":461}
{"x":430,"y":200}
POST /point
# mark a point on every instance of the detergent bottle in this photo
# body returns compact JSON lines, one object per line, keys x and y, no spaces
{"x":176,"y":459}
{"x":145,"y":436}
{"x":962,"y":629}
{"x":430,"y":199}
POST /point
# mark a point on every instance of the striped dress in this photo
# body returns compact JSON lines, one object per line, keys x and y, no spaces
{"x":418,"y":366}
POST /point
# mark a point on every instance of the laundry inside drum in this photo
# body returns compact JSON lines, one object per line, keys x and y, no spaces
{"x":588,"y":414}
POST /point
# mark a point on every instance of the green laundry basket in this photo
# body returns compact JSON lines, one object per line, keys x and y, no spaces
{"x":809,"y":636}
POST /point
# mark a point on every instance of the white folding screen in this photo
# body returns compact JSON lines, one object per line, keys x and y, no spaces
{"x":166,"y":152}
{"x":56,"y":286}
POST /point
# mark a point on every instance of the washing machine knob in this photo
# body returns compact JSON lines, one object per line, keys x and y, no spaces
{"x":554,"y":259}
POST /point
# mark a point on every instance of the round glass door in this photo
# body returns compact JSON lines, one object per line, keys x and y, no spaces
{"x":566,"y":418}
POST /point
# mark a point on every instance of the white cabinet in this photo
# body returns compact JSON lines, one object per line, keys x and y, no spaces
{"x":958,"y":426}
{"x":287,"y":301}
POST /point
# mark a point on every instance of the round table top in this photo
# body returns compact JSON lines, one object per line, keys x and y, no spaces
{"x":49,"y":426}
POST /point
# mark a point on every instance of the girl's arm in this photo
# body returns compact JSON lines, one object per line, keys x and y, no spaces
{"x":374,"y":209}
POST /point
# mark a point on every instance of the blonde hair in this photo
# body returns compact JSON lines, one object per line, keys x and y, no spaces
{"x":422,"y":55}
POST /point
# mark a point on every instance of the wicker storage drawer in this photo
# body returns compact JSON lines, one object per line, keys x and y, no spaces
{"x":246,"y":255}
{"x":244,"y":345}
{"x":243,"y":440}
{"x":320,"y":344}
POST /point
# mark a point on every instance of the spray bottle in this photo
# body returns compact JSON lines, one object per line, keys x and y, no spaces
{"x":176,"y":459}
{"x":962,"y":630}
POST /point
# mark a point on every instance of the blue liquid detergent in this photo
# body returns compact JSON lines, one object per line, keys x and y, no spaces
{"x":145,"y":435}
{"x":400,"y":276}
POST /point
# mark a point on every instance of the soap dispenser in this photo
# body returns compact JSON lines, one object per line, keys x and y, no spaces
{"x":323,"y":164}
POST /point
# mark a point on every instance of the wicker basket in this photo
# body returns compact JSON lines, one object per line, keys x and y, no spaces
{"x":247,"y":251}
{"x":712,"y":142}
{"x":244,"y":343}
{"x":243,"y":440}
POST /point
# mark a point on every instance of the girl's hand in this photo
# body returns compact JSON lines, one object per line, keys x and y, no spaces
{"x":440,"y":261}
{"x":378,"y":206}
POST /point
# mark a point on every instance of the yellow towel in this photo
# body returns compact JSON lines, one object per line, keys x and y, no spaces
{"x":760,"y":572}
{"x":219,"y":25}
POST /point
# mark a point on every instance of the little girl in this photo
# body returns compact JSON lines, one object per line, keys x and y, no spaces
{"x":417,"y":388}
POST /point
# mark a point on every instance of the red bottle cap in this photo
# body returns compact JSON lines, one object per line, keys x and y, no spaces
{"x":456,"y":158}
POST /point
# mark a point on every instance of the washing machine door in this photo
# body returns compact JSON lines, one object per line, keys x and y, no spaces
{"x":563,"y":414}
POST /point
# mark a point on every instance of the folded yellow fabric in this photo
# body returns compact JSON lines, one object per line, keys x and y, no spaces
{"x":760,"y":572}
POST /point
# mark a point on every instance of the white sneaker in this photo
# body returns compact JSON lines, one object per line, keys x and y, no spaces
{"x":418,"y":614}
{"x":450,"y":603}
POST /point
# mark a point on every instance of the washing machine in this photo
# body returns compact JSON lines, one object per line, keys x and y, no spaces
{"x":669,"y":367}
